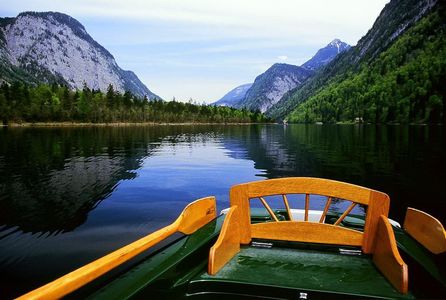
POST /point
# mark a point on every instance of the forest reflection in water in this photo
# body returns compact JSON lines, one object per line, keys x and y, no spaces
{"x":69,"y":195}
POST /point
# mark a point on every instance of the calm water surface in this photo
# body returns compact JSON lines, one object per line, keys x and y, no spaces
{"x":70,"y":195}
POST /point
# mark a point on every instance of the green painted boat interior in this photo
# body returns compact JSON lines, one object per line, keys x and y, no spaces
{"x":266,"y":269}
{"x":284,"y":271}
{"x":317,"y":273}
{"x":426,"y":269}
{"x":420,"y":254}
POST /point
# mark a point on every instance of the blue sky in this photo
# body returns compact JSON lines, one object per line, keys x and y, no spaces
{"x":201,"y":49}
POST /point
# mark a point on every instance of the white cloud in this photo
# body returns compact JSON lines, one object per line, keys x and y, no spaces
{"x":300,"y":20}
{"x":282,"y":57}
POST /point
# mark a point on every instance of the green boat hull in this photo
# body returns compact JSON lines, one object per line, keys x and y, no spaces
{"x":290,"y":253}
{"x":284,"y":270}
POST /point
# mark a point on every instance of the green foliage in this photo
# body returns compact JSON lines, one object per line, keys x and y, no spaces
{"x":405,"y":83}
{"x":45,"y":103}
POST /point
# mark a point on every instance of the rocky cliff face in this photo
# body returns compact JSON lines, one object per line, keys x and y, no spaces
{"x":396,"y":17}
{"x":54,"y":47}
{"x":269,"y":87}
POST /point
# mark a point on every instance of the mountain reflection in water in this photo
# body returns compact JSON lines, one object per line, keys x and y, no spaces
{"x":70,"y":195}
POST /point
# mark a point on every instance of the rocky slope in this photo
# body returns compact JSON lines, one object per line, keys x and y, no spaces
{"x":269,"y":87}
{"x":54,"y":47}
{"x":325,"y":55}
{"x":234,"y":97}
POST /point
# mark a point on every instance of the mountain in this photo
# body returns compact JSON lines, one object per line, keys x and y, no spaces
{"x":269,"y":87}
{"x":325,"y":55}
{"x":234,"y":97}
{"x":53,"y":47}
{"x":395,"y":73}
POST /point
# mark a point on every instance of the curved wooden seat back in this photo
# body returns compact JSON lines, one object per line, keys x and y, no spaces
{"x":377,"y":239}
{"x":377,"y":204}
{"x":426,"y":229}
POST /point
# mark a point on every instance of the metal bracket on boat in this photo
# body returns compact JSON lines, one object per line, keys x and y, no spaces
{"x":350,"y":251}
{"x":262,"y":245}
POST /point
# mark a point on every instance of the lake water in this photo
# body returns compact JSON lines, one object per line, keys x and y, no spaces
{"x":70,"y":195}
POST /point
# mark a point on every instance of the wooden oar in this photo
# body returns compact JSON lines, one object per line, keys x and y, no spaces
{"x":194,"y":216}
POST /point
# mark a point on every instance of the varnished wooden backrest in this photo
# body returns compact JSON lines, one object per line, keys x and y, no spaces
{"x":377,"y":203}
{"x":426,"y":229}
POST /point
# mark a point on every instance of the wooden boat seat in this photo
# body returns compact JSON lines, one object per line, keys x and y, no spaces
{"x":377,"y":238}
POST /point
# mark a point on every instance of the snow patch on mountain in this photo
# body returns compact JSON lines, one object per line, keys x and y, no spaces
{"x":325,"y":55}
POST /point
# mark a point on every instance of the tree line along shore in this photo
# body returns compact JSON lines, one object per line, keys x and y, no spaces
{"x":57,"y":104}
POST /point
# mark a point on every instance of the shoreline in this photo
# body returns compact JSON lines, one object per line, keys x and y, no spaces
{"x":114,"y":124}
{"x":129,"y":124}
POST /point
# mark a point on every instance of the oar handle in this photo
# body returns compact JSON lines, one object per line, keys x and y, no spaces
{"x":194,"y":216}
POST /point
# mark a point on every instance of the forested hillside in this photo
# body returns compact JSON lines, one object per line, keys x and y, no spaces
{"x":405,"y":83}
{"x":56,"y":103}
{"x":401,"y":39}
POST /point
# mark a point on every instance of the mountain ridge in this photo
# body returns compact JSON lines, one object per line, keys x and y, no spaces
{"x":52,"y":47}
{"x":234,"y":96}
{"x":395,"y":18}
{"x":324,"y":55}
{"x":270,"y":86}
